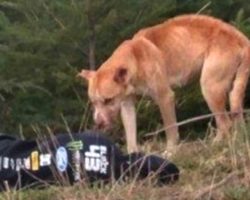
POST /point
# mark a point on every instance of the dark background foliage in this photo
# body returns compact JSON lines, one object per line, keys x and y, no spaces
{"x":44,"y":43}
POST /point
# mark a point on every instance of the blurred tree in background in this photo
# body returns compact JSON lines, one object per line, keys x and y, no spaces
{"x":44,"y":43}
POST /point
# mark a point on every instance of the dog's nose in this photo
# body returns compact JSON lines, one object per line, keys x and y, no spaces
{"x":102,"y":122}
{"x":98,"y":120}
{"x":100,"y":125}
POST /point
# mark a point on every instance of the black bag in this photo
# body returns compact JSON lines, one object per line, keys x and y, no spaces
{"x":69,"y":158}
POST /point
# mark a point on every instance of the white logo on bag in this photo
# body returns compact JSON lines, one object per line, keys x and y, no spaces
{"x":18,"y":164}
{"x":96,"y":159}
{"x":45,"y":160}
{"x":12,"y":163}
{"x":5,"y":162}
{"x":61,"y":159}
{"x":24,"y":163}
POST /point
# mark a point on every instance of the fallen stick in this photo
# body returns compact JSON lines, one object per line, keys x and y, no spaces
{"x":191,"y":120}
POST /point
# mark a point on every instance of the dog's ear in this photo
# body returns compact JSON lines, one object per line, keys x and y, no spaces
{"x":121,"y":75}
{"x":86,"y":74}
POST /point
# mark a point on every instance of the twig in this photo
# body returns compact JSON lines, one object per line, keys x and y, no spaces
{"x":209,"y":188}
{"x":58,"y":21}
{"x":204,"y":7}
{"x":194,"y":119}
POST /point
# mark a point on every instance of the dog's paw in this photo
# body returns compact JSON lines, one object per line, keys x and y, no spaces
{"x":170,"y":151}
{"x":133,"y":149}
{"x":167,"y":154}
{"x":220,"y":137}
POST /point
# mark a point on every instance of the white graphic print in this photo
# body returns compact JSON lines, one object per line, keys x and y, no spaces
{"x":45,"y":160}
{"x":61,"y":159}
{"x":96,"y":159}
{"x":12,"y":163}
{"x":27,"y":163}
{"x":23,"y":163}
{"x":5,"y":162}
{"x":19,"y":164}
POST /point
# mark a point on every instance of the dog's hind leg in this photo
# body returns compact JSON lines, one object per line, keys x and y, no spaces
{"x":215,"y":82}
{"x":237,"y":94}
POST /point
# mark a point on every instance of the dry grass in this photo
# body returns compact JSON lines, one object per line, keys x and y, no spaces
{"x":208,"y":171}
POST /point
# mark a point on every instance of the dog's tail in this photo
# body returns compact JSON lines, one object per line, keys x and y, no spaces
{"x":240,"y":82}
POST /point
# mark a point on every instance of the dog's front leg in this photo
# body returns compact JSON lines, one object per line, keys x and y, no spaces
{"x":128,"y":115}
{"x":166,"y":102}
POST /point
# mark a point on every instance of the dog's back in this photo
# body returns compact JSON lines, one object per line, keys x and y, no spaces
{"x":186,"y":41}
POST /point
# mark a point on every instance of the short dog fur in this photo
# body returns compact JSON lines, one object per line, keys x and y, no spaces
{"x":158,"y":59}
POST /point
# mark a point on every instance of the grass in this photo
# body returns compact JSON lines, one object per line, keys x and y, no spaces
{"x":208,"y":171}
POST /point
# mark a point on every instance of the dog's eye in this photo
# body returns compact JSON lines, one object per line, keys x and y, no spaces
{"x":108,"y":101}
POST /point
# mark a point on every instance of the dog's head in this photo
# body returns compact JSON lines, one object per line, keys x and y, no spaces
{"x":107,"y":88}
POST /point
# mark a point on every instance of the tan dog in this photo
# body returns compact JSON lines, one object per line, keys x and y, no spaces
{"x":160,"y":58}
